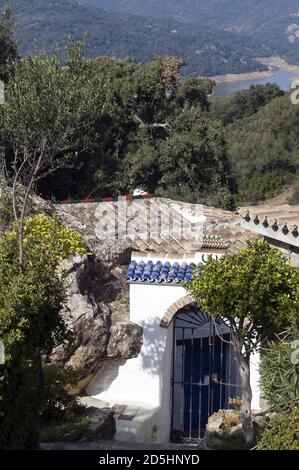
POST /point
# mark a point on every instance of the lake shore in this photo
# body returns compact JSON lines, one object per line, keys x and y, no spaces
{"x":237,"y":77}
{"x":271,"y":62}
{"x":278,"y":62}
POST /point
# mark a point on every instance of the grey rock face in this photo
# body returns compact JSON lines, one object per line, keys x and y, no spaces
{"x":102,"y":423}
{"x":87,"y":318}
{"x":97,"y":315}
{"x":219,"y":435}
{"x":125,"y":340}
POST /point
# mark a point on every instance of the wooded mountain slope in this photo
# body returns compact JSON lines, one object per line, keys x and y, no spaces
{"x":275,"y":23}
{"x":41,"y":23}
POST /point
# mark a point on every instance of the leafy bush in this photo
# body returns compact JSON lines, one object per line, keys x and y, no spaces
{"x":58,"y":403}
{"x":6,"y":215}
{"x":279,"y":376}
{"x":67,"y":432}
{"x":49,"y":235}
{"x":30,"y":322}
{"x":265,"y":186}
{"x":282,"y":433}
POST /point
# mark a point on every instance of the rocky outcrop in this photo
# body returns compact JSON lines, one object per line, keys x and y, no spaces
{"x":102,"y":423}
{"x":125,"y":340}
{"x":224,"y":430}
{"x":97,"y":317}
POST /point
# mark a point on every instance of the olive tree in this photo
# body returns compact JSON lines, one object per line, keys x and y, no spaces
{"x":47,"y":118}
{"x":253,"y":292}
{"x":8,"y":46}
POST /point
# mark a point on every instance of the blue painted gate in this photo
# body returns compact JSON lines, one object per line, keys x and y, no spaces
{"x":205,"y":372}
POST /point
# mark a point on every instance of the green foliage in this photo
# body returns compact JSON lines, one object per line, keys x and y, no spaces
{"x":59,"y":405}
{"x":193,"y":155}
{"x":8,"y":47}
{"x":48,"y":235}
{"x":263,"y":149}
{"x":256,"y":284}
{"x":45,"y":238}
{"x":67,"y":432}
{"x":114,"y":126}
{"x":6,"y":214}
{"x":279,"y":375}
{"x":48,"y":114}
{"x":282,"y":433}
{"x":243,"y":103}
{"x":255,"y":292}
{"x":264,"y":186}
{"x":30,"y":322}
{"x":141,"y":131}
{"x":174,"y":144}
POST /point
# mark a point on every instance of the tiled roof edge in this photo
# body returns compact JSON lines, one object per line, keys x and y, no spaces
{"x":274,"y":228}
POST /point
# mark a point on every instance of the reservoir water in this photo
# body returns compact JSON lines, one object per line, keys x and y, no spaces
{"x":281,"y":77}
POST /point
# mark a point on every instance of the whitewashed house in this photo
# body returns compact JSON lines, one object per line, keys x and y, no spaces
{"x":186,"y":369}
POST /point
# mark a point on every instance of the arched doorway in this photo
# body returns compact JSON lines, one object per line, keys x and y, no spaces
{"x":204,"y":372}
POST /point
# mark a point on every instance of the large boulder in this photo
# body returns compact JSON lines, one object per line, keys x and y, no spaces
{"x":125,"y":340}
{"x":102,"y":423}
{"x":88,"y":320}
{"x":97,"y":315}
{"x":224,"y":431}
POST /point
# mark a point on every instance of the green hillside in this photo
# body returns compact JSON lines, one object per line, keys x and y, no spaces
{"x":275,"y":23}
{"x":44,"y":24}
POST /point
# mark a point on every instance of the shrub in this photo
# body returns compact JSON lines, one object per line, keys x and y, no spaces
{"x":6,"y":214}
{"x":282,"y":433}
{"x":58,"y":404}
{"x":31,"y":322}
{"x":48,"y":235}
{"x":265,"y":186}
{"x":67,"y":432}
{"x":279,"y":376}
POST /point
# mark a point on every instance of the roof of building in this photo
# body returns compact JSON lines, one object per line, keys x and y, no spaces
{"x":160,"y":273}
{"x":221,"y":229}
{"x":280,"y":222}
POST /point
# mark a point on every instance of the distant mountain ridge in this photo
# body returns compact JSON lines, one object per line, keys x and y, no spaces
{"x":44,"y":23}
{"x":274,"y":23}
{"x":245,"y":15}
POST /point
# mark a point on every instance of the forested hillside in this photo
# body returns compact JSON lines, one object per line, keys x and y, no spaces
{"x":147,"y":127}
{"x":44,"y":24}
{"x":261,"y":129}
{"x":273,"y":22}
{"x":229,"y":14}
{"x":223,"y":152}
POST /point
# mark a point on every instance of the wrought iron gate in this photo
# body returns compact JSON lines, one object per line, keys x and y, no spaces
{"x":204,"y":372}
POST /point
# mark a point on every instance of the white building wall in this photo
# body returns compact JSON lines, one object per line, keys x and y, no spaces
{"x":145,"y":381}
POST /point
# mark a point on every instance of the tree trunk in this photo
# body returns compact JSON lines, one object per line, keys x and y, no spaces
{"x":21,"y":250}
{"x":246,"y":418}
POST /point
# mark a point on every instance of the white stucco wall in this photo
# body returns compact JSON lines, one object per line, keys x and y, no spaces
{"x":145,"y":381}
